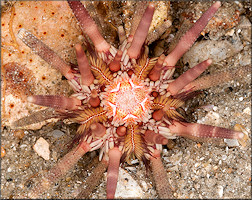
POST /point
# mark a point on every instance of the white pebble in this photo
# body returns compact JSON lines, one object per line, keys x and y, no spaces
{"x":247,"y":111}
{"x":230,"y":33}
{"x":231,"y":142}
{"x":145,"y":186}
{"x":197,"y":165}
{"x":224,"y":157}
{"x":41,"y":147}
{"x":127,"y":187}
{"x":202,"y":158}
{"x":220,"y":191}
{"x":9,"y":169}
{"x":57,"y":133}
{"x":241,"y":98}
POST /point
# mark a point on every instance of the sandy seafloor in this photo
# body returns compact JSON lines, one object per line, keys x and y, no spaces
{"x":195,"y":169}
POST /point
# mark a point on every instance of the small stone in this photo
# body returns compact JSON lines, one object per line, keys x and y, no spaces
{"x":241,"y":128}
{"x":134,"y":161}
{"x":230,"y":33}
{"x":3,"y":152}
{"x":133,"y":169}
{"x":211,"y":116}
{"x":54,"y":155}
{"x":216,"y":50}
{"x":220,"y":190}
{"x":241,"y":99}
{"x":57,"y":133}
{"x":197,"y":165}
{"x":68,"y":179}
{"x":144,"y":185}
{"x":229,"y":170}
{"x":41,"y":147}
{"x":173,"y":169}
{"x":170,"y":144}
{"x":202,"y":158}
{"x":129,"y":189}
{"x":175,"y":159}
{"x":232,"y":142}
{"x":9,"y":169}
{"x":224,"y":157}
{"x":23,"y":146}
{"x":247,"y":111}
{"x":19,"y":134}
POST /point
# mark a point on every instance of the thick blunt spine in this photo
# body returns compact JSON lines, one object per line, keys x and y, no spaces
{"x":188,"y":77}
{"x":93,"y":180}
{"x":115,"y":65}
{"x":191,"y":35}
{"x":203,"y":131}
{"x":54,"y":101}
{"x":94,"y":100}
{"x":60,"y":169}
{"x":45,"y":53}
{"x":218,"y":78}
{"x":87,"y":77}
{"x":141,"y":32}
{"x":155,"y":73}
{"x":139,"y":11}
{"x":88,"y":26}
{"x":113,"y":171}
{"x":160,"y":177}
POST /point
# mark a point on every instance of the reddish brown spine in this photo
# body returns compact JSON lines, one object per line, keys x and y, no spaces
{"x":191,"y":35}
{"x":45,"y":53}
{"x":156,"y":70}
{"x":203,"y":131}
{"x":54,"y":101}
{"x":93,"y":180}
{"x":190,"y":75}
{"x":160,"y":177}
{"x":87,"y":77}
{"x":141,"y":32}
{"x":60,"y":169}
{"x":113,"y":170}
{"x":94,"y":100}
{"x":88,"y":25}
{"x":115,"y":65}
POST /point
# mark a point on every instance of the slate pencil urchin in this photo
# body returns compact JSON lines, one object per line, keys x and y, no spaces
{"x":126,"y":103}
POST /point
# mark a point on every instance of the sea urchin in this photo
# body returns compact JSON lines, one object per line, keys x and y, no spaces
{"x":125,"y":102}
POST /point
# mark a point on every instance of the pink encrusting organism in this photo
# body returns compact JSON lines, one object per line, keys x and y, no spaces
{"x":125,"y":102}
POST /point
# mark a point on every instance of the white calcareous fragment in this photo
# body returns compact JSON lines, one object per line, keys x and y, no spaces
{"x":127,"y":187}
{"x":57,"y":133}
{"x":41,"y":147}
{"x":231,"y":142}
{"x":247,"y":111}
{"x":220,"y":191}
